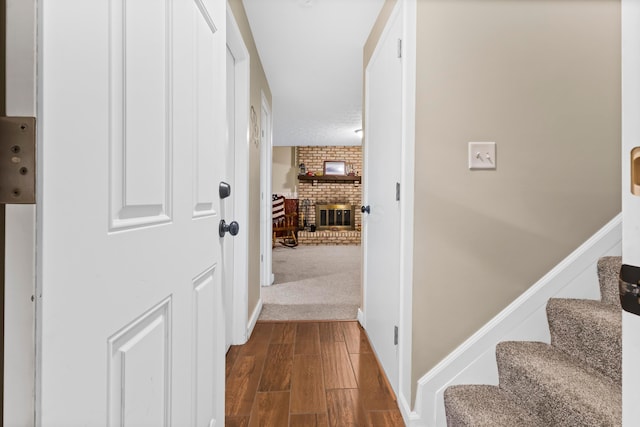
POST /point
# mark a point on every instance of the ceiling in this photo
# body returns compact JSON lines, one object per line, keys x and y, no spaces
{"x":311,"y":51}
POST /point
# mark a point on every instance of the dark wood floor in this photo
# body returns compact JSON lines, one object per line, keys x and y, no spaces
{"x":307,"y":374}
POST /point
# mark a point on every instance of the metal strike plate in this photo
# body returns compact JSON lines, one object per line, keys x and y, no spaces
{"x":629,"y":281}
{"x":17,"y":160}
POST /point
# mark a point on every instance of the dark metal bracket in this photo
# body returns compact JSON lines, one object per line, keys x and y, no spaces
{"x":17,"y":160}
{"x":630,"y":288}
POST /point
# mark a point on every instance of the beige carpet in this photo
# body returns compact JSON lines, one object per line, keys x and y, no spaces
{"x":574,"y":381}
{"x":314,"y":283}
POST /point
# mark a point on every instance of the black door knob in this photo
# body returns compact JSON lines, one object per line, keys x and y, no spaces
{"x":224,"y":190}
{"x":233,"y":228}
{"x":365,"y":209}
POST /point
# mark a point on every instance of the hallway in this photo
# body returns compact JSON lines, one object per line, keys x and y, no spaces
{"x":307,"y":374}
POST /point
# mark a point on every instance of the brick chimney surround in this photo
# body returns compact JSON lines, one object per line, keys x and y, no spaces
{"x":324,"y":193}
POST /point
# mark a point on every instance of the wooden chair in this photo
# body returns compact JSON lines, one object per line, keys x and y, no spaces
{"x":285,"y":225}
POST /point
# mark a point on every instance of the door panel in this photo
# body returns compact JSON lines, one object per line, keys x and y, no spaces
{"x":140,"y":135}
{"x":132,"y":136}
{"x":205,"y":127}
{"x":383,"y":142}
{"x":139,"y":368}
{"x":207,"y":315}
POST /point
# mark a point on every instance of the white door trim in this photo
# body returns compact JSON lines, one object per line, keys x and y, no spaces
{"x":630,"y":203}
{"x":266,"y":147}
{"x":409,"y":12}
{"x":407,"y":9}
{"x":240,"y":52}
{"x":20,"y":225}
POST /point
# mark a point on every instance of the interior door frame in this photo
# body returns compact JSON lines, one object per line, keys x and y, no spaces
{"x":19,"y":275}
{"x":630,"y":204}
{"x":240,"y":309}
{"x":3,"y":111}
{"x":408,"y":10}
{"x":266,"y":154}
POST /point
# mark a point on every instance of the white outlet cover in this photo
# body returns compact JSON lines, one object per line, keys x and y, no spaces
{"x":482,"y":155}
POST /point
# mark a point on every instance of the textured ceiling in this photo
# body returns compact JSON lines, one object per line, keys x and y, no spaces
{"x":311,"y":51}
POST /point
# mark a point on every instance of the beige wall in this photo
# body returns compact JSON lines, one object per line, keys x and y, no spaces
{"x":542,"y":79}
{"x":284,"y":171}
{"x":258,"y":82}
{"x":376,"y":31}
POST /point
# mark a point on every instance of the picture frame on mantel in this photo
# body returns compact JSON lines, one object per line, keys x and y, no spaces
{"x":335,"y":167}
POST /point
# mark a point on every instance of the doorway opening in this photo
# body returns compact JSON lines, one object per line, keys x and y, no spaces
{"x":318,"y":278}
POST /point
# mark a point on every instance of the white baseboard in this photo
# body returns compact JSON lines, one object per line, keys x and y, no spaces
{"x":474,"y":361}
{"x":360,"y":317}
{"x":405,"y":409}
{"x":254,"y":318}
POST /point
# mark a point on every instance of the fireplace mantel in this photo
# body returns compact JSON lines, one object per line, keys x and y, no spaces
{"x":331,"y":178}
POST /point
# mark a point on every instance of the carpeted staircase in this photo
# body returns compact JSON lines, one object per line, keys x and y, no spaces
{"x":575,"y":381}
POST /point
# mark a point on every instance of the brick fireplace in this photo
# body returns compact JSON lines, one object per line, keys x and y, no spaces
{"x":325,"y":191}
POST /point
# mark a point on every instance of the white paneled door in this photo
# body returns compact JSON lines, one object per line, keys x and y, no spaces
{"x":132,"y":139}
{"x":381,"y":225}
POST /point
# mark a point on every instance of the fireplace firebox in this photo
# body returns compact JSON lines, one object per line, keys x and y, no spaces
{"x":337,"y":216}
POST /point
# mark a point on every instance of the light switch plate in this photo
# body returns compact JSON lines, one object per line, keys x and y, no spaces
{"x":482,"y":155}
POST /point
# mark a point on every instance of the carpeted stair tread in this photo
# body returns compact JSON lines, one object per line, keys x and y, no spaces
{"x":556,"y":387}
{"x":590,"y":331}
{"x":608,"y":273}
{"x":485,"y":406}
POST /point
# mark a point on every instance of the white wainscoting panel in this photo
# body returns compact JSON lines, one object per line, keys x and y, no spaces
{"x":474,"y":361}
{"x":139,"y":370}
{"x":140,"y":80}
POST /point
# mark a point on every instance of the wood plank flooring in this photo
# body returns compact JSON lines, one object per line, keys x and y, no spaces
{"x":315,"y":374}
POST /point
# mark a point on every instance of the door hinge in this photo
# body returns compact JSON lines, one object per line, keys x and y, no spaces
{"x":261,"y":257}
{"x":395,"y":335}
{"x":18,"y":160}
{"x":399,"y":48}
{"x":397,"y":191}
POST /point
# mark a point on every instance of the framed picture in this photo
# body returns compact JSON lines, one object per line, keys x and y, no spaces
{"x":335,"y":167}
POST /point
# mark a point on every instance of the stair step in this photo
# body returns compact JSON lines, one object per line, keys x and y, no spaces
{"x":608,"y":273}
{"x":590,"y":331}
{"x":485,"y":406}
{"x":556,"y":388}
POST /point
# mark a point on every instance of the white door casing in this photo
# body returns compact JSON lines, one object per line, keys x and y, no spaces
{"x":242,"y":71}
{"x":382,"y":173}
{"x":630,"y":203}
{"x":409,"y":13}
{"x":266,"y":155}
{"x":131,"y":107}
{"x":20,"y":227}
{"x":228,"y":210}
